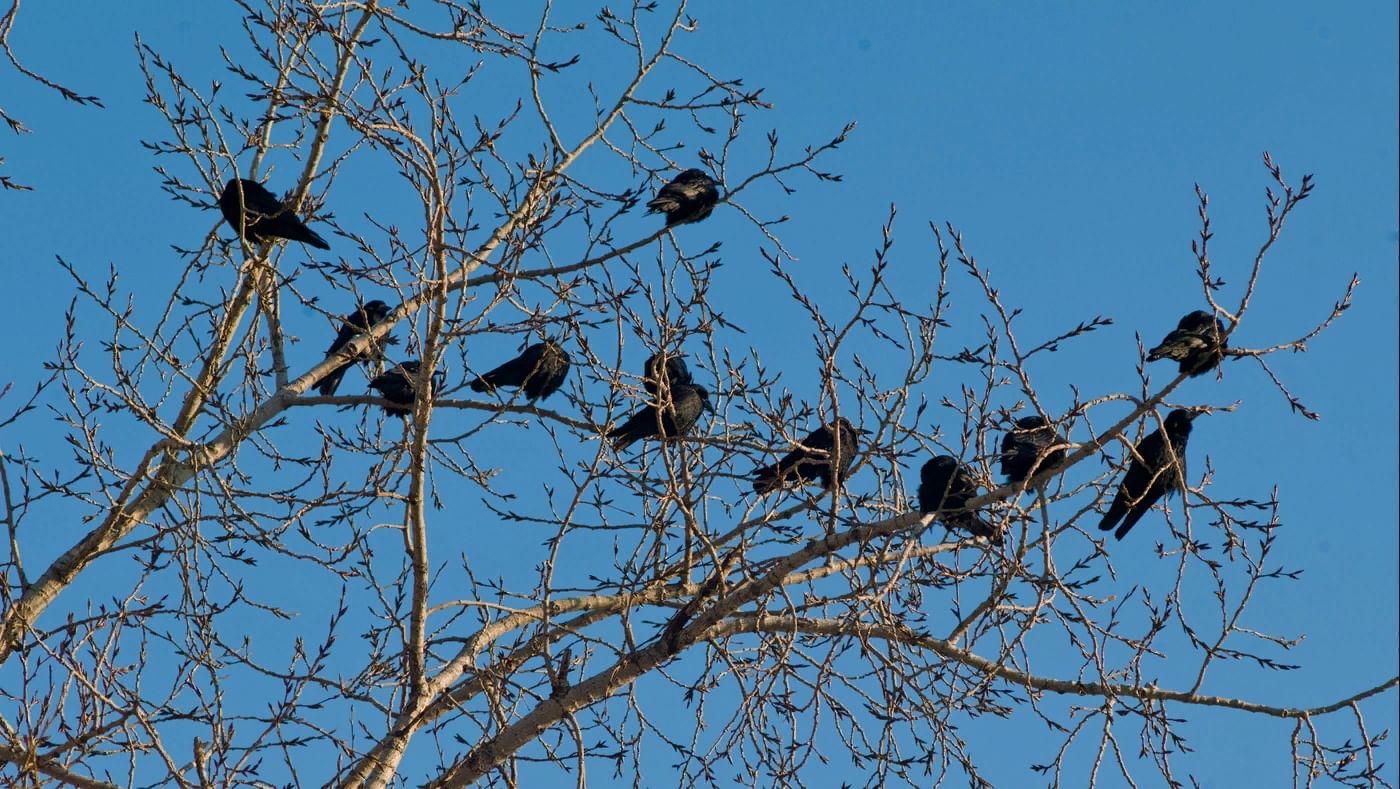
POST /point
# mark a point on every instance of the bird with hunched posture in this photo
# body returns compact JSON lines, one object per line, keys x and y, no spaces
{"x":675,"y":372}
{"x":356,"y":323}
{"x":689,"y":197}
{"x":399,"y":386}
{"x":539,"y":371}
{"x":1157,"y":470}
{"x":664,"y":420}
{"x":945,"y":488}
{"x":816,"y":458}
{"x":1198,"y":343}
{"x":263,"y":216}
{"x":1025,"y":449}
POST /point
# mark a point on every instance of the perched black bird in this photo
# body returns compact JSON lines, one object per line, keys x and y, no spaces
{"x":690,"y":197}
{"x":816,"y":458}
{"x":1198,"y":343}
{"x":399,"y":386}
{"x":265,"y":217}
{"x":539,"y":371}
{"x":1154,"y":472}
{"x":357,"y":322}
{"x":1025,"y":446}
{"x":676,"y":372}
{"x":674,"y":419}
{"x":945,"y":487}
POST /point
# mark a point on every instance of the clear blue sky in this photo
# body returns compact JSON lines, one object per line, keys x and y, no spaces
{"x":1063,"y":140}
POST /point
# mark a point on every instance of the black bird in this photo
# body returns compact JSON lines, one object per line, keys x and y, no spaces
{"x":816,"y":458}
{"x":1198,"y":343}
{"x":690,"y":197}
{"x":676,"y":372}
{"x":399,"y":386}
{"x":1025,"y":446}
{"x":1154,"y":472}
{"x":539,"y":371}
{"x":265,"y":217}
{"x":674,"y":419}
{"x":945,"y":487}
{"x":356,"y":323}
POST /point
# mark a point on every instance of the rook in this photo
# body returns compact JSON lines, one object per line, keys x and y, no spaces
{"x":264,"y":216}
{"x":1156,"y":470}
{"x":689,"y":198}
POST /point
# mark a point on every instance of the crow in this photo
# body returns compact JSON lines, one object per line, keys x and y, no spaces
{"x":539,"y":371}
{"x":356,"y":323}
{"x":690,"y":197}
{"x":816,"y":458}
{"x":945,"y":487}
{"x":1198,"y":343}
{"x":265,"y":217}
{"x":676,"y":372}
{"x":1023,"y":449}
{"x":668,"y":421}
{"x":1156,"y":470}
{"x":399,"y":386}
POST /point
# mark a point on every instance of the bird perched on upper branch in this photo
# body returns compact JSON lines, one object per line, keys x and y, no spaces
{"x":689,"y":197}
{"x":817,"y":458}
{"x":945,"y":487}
{"x":539,"y":371}
{"x":356,"y":323}
{"x":675,"y":372}
{"x":1198,"y":343}
{"x":1157,"y":470}
{"x":1024,"y":449}
{"x":264,"y":216}
{"x":666,"y":420}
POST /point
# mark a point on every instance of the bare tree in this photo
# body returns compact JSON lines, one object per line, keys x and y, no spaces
{"x":270,"y":587}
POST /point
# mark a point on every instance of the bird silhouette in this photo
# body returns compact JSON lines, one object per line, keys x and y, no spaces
{"x":667,"y":420}
{"x":1024,"y":449}
{"x":945,"y":488}
{"x":399,"y":386}
{"x":817,"y":458}
{"x":676,"y":372}
{"x":356,"y":323}
{"x":1198,"y":343}
{"x":1156,"y":471}
{"x":539,"y":371}
{"x":689,"y":197}
{"x":265,"y":216}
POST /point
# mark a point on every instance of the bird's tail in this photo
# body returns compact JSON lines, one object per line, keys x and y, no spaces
{"x":766,"y":479}
{"x":621,"y":438}
{"x":1115,"y":513}
{"x":327,"y":386}
{"x":1129,"y":522}
{"x":308,"y":236}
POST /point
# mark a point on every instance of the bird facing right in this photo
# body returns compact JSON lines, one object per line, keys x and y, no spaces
{"x":945,"y":487}
{"x":1198,"y":343}
{"x":817,"y":458}
{"x":672,"y":419}
{"x":539,"y":371}
{"x":689,"y":197}
{"x":1156,"y":471}
{"x":264,"y":216}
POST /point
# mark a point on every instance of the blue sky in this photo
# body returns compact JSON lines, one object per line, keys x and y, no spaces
{"x":1062,"y":140}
